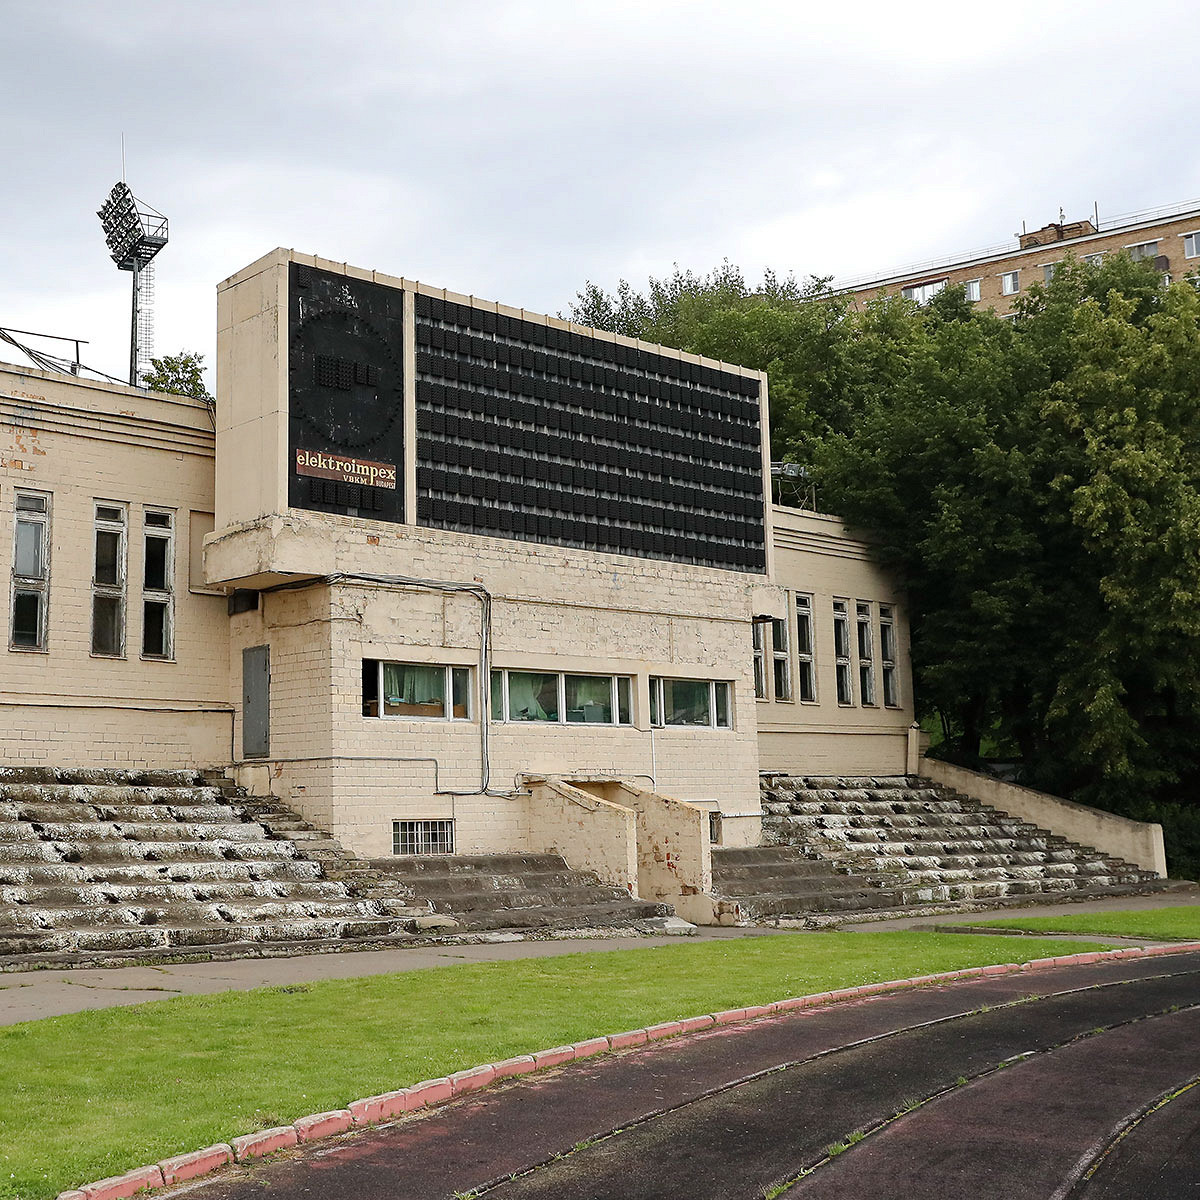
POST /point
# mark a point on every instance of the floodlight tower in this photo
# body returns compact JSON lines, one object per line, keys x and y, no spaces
{"x":135,"y":233}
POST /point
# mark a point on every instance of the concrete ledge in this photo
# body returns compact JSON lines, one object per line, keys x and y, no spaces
{"x":373,"y":1109}
{"x":188,"y":1166}
{"x":255,"y":1145}
{"x":1137,"y":842}
{"x":120,"y":1186}
{"x":324,"y":1124}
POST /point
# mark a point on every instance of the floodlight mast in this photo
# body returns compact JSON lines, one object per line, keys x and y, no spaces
{"x":135,"y":233}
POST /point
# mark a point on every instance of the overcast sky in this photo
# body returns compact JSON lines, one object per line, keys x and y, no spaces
{"x":515,"y":149}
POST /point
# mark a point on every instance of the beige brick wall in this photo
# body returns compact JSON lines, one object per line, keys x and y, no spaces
{"x":818,"y":556}
{"x":553,"y":610}
{"x":80,"y":442}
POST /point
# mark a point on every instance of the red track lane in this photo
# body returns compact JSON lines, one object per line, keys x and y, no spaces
{"x":1029,"y":1130}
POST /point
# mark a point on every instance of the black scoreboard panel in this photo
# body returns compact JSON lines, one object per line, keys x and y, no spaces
{"x":345,"y":394}
{"x":541,"y":434}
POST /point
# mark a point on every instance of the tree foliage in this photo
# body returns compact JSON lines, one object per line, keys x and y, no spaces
{"x":179,"y":374}
{"x":1035,"y":484}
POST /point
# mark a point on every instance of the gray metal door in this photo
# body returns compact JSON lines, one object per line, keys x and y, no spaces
{"x":256,"y":702}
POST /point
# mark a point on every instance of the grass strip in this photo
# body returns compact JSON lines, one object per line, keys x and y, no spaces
{"x":97,"y":1093}
{"x":1181,"y":923}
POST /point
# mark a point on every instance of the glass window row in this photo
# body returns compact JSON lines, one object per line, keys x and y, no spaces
{"x":442,"y":692}
{"x":30,"y":580}
{"x":858,"y":656}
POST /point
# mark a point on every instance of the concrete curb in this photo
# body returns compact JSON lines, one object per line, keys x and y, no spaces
{"x":373,"y":1110}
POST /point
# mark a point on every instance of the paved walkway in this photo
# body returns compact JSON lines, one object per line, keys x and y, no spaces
{"x":30,"y":995}
{"x":907,"y":1087}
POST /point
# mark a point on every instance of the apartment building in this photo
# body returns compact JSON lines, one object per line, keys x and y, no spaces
{"x":997,"y":276}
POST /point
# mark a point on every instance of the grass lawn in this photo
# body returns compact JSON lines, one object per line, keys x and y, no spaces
{"x":94,"y":1094}
{"x":1182,"y":922}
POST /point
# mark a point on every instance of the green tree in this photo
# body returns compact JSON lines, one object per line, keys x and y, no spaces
{"x":179,"y":374}
{"x":1034,"y":482}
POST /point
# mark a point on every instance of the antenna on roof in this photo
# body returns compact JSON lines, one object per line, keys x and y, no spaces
{"x":135,"y":233}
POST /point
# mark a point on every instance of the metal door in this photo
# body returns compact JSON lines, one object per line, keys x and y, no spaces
{"x":256,"y":701}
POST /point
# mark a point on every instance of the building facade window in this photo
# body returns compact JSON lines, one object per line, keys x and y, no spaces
{"x":866,"y":656}
{"x":1093,"y":260}
{"x":887,"y":655}
{"x":1048,"y":270}
{"x":108,"y":581}
{"x":971,"y":290}
{"x":158,"y":590}
{"x":922,"y":293}
{"x":30,"y":571}
{"x":806,"y":674}
{"x":760,"y":661}
{"x":841,"y":652}
{"x":1010,"y":283}
{"x":416,"y":691}
{"x":781,"y":660}
{"x":562,"y":699}
{"x":1191,"y":245}
{"x":703,"y":703}
{"x":1143,"y":250}
{"x":423,"y":837}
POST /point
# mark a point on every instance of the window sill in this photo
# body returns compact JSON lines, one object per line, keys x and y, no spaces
{"x":28,"y":650}
{"x":107,"y":657}
{"x":162,"y":658}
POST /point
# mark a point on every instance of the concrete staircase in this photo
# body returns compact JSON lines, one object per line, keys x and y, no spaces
{"x":516,"y":891}
{"x":99,"y":865}
{"x":879,"y":845}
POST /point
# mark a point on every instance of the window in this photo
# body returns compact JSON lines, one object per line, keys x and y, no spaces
{"x":30,"y":571}
{"x":1143,"y":250}
{"x":1191,"y":245}
{"x":781,"y":655}
{"x":841,"y":651}
{"x":887,"y":655}
{"x":806,"y":678}
{"x":562,"y":699}
{"x":423,"y":837}
{"x":416,"y":691}
{"x":700,"y":703}
{"x":971,"y":290}
{"x":108,"y":582}
{"x":158,"y":600}
{"x":922,"y":293}
{"x":1010,"y":283}
{"x":866,"y":657}
{"x":1093,"y":260}
{"x":760,"y":662}
{"x":1048,"y":270}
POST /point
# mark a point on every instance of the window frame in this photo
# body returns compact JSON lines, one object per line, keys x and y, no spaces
{"x":111,"y":591}
{"x":422,"y":835}
{"x":843,"y":670}
{"x":447,"y":693}
{"x":781,"y":659}
{"x":922,"y":293}
{"x":759,"y":643}
{"x":1137,"y":250}
{"x":1194,"y":239}
{"x":972,"y":290}
{"x":615,"y":681}
{"x":865,"y":657}
{"x":889,"y":674}
{"x":31,"y":584}
{"x":803,"y":605}
{"x":164,"y":596}
{"x":1012,"y":278}
{"x":658,"y":709}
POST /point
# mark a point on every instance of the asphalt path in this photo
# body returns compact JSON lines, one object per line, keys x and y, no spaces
{"x":1027,"y":1085}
